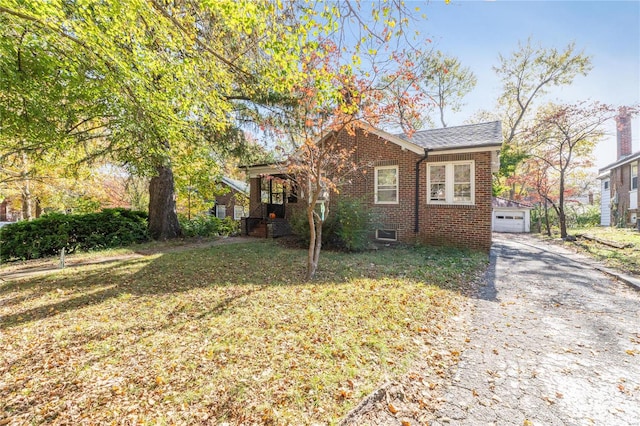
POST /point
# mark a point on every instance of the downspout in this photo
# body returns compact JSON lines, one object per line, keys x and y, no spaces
{"x":417,"y":203}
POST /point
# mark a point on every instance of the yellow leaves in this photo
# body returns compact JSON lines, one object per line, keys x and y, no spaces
{"x":631,"y":352}
{"x":527,"y":422}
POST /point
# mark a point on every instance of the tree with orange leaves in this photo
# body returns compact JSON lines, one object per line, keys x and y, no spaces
{"x":561,"y":142}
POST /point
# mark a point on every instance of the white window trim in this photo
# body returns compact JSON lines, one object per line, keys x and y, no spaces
{"x":449,"y":183}
{"x":221,"y":211}
{"x":375,"y":184}
{"x":387,"y":239}
{"x":239,"y":212}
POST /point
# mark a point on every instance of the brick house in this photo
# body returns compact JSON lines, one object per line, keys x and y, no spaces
{"x":619,"y":181}
{"x":234,"y":202}
{"x":434,"y":187}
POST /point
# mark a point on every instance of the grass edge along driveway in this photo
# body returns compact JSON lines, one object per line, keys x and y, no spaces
{"x":228,"y":333}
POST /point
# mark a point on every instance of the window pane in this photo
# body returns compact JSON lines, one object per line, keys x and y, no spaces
{"x":384,"y":234}
{"x":238,"y":212}
{"x":462,"y":192}
{"x":386,"y":177}
{"x":437,"y":174}
{"x":462,"y":173}
{"x":221,"y":211}
{"x":437,"y":192}
{"x":385,"y":195}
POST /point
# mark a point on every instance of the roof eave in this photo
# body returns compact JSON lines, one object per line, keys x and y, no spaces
{"x":620,"y":162}
{"x":470,"y":148}
{"x":403,"y":143}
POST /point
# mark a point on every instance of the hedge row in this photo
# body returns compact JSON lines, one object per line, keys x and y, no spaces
{"x":47,"y":235}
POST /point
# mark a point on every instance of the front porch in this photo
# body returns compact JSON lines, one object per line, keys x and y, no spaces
{"x":270,"y":199}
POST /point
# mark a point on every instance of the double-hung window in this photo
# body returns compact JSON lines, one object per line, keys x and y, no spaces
{"x":634,"y":176}
{"x":386,"y":185}
{"x":451,"y":183}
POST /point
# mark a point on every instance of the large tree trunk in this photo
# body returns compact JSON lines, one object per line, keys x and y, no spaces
{"x":562,"y":217}
{"x":26,"y":201}
{"x":163,"y":218}
{"x":27,"y":213}
{"x":560,"y":209}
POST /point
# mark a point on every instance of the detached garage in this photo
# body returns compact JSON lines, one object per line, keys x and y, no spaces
{"x":510,"y":216}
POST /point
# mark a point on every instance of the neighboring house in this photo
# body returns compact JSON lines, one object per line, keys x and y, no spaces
{"x":605,"y":199}
{"x":511,"y":216}
{"x":4,"y":211}
{"x":235,"y":202}
{"x":6,"y":215}
{"x":433,"y":187}
{"x":619,"y":181}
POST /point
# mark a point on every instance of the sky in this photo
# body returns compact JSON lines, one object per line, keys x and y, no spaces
{"x":476,"y":32}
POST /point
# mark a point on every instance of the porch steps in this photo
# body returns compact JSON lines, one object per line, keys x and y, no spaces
{"x":260,"y":230}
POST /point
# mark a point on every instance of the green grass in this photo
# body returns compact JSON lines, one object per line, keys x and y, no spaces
{"x":626,"y":259}
{"x":228,"y":333}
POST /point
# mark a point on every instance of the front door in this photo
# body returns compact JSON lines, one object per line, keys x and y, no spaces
{"x":272,"y":194}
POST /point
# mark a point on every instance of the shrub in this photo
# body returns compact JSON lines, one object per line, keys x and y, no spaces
{"x":47,"y":235}
{"x":346,"y":228}
{"x":353,"y":224}
{"x":586,"y":217}
{"x":209,"y":226}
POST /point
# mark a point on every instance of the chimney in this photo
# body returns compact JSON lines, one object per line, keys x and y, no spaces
{"x":623,"y":125}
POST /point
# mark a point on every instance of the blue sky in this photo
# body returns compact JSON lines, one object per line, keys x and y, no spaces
{"x":609,"y":31}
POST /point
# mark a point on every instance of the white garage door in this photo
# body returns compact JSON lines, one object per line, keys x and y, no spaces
{"x":508,"y":220}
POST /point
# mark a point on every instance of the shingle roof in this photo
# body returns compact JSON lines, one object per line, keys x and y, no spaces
{"x":505,"y":203}
{"x":468,"y":136}
{"x":238,"y":185}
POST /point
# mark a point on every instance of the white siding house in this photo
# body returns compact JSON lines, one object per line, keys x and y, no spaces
{"x":605,"y":200}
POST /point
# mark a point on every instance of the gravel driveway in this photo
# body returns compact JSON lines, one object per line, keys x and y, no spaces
{"x":553,"y":342}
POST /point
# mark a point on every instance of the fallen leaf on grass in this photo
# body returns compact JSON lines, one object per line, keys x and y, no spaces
{"x":392,"y":409}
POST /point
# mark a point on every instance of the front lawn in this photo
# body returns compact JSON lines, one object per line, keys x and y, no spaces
{"x":223,"y":334}
{"x":625,"y":259}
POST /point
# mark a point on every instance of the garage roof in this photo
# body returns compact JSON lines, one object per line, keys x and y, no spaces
{"x":505,"y":203}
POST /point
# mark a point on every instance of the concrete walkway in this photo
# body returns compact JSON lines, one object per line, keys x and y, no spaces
{"x":554,"y":341}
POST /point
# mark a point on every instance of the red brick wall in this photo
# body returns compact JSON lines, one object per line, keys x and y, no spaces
{"x":229,"y":200}
{"x":623,"y":123}
{"x":3,"y":211}
{"x":461,"y":226}
{"x":620,"y":184}
{"x":254,"y":200}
